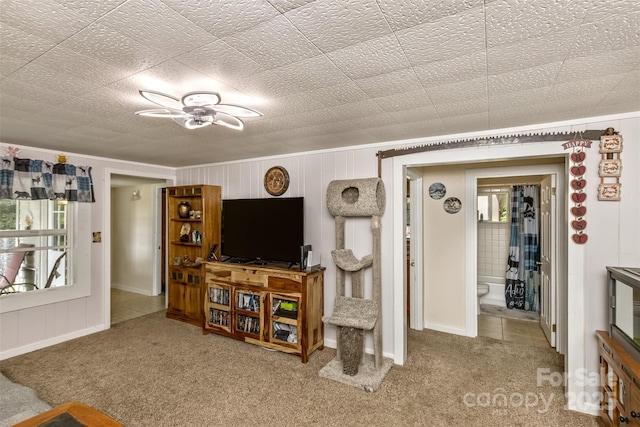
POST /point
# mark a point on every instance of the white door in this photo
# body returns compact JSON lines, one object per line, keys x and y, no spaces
{"x":547,"y":259}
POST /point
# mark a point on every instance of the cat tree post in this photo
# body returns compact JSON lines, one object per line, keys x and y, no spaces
{"x":357,"y":314}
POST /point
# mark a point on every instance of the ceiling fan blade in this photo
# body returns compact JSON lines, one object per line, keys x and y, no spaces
{"x":237,"y":110}
{"x":162,"y":99}
{"x":160,"y":112}
{"x":199,"y":99}
{"x":228,"y":120}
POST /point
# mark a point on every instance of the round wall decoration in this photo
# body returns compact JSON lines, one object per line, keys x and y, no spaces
{"x":276,"y":181}
{"x":437,"y":190}
{"x":452,"y":205}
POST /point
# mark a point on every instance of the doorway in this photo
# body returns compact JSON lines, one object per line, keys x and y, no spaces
{"x":551,"y":179}
{"x":132,"y":241}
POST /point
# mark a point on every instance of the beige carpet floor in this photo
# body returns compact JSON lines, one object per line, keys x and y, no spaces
{"x":153,"y":371}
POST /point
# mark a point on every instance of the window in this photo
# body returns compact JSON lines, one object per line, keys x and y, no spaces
{"x":493,"y":204}
{"x":39,"y":231}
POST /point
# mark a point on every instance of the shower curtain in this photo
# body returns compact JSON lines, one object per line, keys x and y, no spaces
{"x":522,"y":279}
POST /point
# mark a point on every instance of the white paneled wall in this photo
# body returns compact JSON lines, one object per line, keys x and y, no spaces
{"x":309,"y":175}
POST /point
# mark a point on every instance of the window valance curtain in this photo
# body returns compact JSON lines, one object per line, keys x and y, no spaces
{"x":39,"y":179}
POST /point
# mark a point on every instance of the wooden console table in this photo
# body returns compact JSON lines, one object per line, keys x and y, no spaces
{"x":66,"y":414}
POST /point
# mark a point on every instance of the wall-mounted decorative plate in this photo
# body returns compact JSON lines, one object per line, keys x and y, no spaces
{"x":437,"y":190}
{"x":452,"y":205}
{"x":276,"y":181}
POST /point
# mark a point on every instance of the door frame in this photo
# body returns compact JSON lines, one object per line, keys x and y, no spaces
{"x":471,"y":277}
{"x":106,"y":235}
{"x":416,"y":294}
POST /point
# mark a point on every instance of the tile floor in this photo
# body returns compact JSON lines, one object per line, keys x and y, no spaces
{"x":128,"y":305}
{"x":515,"y":330}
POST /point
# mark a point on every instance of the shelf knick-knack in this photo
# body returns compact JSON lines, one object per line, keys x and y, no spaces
{"x":183,"y":209}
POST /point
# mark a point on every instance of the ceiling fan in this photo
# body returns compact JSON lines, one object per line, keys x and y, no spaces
{"x":197,"y":109}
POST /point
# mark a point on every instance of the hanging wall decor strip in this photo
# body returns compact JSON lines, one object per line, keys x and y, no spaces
{"x":593,"y":134}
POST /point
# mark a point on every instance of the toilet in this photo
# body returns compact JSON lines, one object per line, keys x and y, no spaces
{"x":483,"y":289}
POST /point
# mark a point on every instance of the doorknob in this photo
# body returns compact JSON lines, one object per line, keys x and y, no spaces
{"x":413,"y":263}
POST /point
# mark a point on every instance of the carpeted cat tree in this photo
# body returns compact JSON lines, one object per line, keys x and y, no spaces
{"x":356,"y":314}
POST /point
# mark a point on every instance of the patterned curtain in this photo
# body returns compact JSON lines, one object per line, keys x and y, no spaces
{"x":522,"y":279}
{"x":37,"y":179}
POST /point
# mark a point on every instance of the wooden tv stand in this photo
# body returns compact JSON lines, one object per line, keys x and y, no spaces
{"x":267,"y":305}
{"x":620,"y":377}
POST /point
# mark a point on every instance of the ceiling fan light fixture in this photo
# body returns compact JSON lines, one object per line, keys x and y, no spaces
{"x":197,"y":109}
{"x":159,"y":113}
{"x":198,"y":99}
{"x":238,"y":111}
{"x":162,"y":99}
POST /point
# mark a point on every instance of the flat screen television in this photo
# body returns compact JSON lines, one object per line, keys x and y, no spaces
{"x":270,"y":229}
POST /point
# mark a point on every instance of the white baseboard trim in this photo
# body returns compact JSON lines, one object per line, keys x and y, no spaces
{"x":446,"y":329}
{"x":120,"y":287}
{"x":585,"y":408}
{"x":49,"y":342}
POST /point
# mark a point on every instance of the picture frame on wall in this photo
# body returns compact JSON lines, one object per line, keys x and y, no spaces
{"x":611,"y":144}
{"x":609,"y":191}
{"x":610,"y":167}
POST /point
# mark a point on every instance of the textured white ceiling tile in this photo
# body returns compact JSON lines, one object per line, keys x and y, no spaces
{"x":360,"y":109}
{"x":462,"y":68}
{"x":600,"y":10}
{"x":284,"y":6}
{"x":518,"y":80}
{"x":332,"y":24}
{"x":510,"y":113}
{"x":630,"y":82}
{"x":398,"y":81}
{"x":448,"y":38}
{"x":569,"y":104}
{"x":151,"y":23}
{"x":462,"y":108}
{"x":102,"y":103}
{"x":405,"y":14}
{"x":597,"y":86}
{"x":53,"y":80}
{"x":22,"y":45}
{"x":532,"y":52}
{"x":339,"y":94}
{"x":315,"y":73}
{"x":415,"y":114}
{"x":612,"y":33}
{"x":220,"y":61}
{"x":372,"y":57}
{"x":602,"y":64}
{"x":512,"y":21}
{"x":43,"y":95}
{"x":273,"y":43}
{"x":468,"y":122}
{"x":21,"y":104}
{"x":404,"y":101}
{"x":518,"y":98}
{"x":389,"y":132}
{"x":270,"y":84}
{"x":422,"y":128}
{"x":66,"y":61}
{"x":109,"y":46}
{"x":90,"y":8}
{"x":300,"y":102}
{"x":459,"y":91}
{"x":10,"y":64}
{"x":52,"y":21}
{"x":223,"y":17}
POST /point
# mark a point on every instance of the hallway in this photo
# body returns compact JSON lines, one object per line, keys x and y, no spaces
{"x":129,"y":305}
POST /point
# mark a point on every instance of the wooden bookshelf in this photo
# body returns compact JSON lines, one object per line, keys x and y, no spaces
{"x":185,"y":288}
